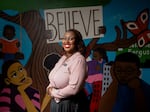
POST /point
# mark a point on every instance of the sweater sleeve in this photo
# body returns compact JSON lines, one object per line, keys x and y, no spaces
{"x":5,"y":100}
{"x":76,"y":80}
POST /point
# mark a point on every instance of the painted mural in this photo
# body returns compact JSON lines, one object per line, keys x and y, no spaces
{"x":125,"y":28}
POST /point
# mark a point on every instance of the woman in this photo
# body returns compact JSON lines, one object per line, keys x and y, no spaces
{"x":68,"y":77}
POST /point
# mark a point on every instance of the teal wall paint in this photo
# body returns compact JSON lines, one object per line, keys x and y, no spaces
{"x":113,"y":12}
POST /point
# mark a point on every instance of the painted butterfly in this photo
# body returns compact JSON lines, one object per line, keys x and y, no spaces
{"x":140,"y":28}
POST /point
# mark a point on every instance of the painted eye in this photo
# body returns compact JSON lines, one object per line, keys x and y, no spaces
{"x":14,"y":75}
{"x":20,"y":69}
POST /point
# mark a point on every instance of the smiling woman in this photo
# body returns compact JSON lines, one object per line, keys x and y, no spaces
{"x":67,"y":78}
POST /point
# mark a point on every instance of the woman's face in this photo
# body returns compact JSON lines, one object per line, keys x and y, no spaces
{"x":68,"y":42}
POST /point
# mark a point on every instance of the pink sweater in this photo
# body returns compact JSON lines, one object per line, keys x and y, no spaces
{"x":68,"y":76}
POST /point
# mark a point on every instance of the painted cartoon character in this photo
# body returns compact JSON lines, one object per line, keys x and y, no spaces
{"x":9,"y":46}
{"x":100,"y":55}
{"x":95,"y":76}
{"x":17,"y":94}
{"x":127,"y":92}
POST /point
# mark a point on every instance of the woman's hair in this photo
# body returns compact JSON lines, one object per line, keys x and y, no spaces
{"x":79,"y":43}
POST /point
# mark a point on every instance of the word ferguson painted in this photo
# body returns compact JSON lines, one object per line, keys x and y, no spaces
{"x":85,"y":19}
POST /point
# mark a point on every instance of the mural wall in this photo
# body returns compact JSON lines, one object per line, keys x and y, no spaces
{"x":23,"y":36}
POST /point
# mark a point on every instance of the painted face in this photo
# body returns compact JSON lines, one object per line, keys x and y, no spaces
{"x":16,"y":74}
{"x":9,"y":34}
{"x":68,"y":42}
{"x":96,"y":56}
{"x":125,"y":71}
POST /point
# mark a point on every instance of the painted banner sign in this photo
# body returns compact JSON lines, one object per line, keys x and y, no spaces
{"x":87,"y":20}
